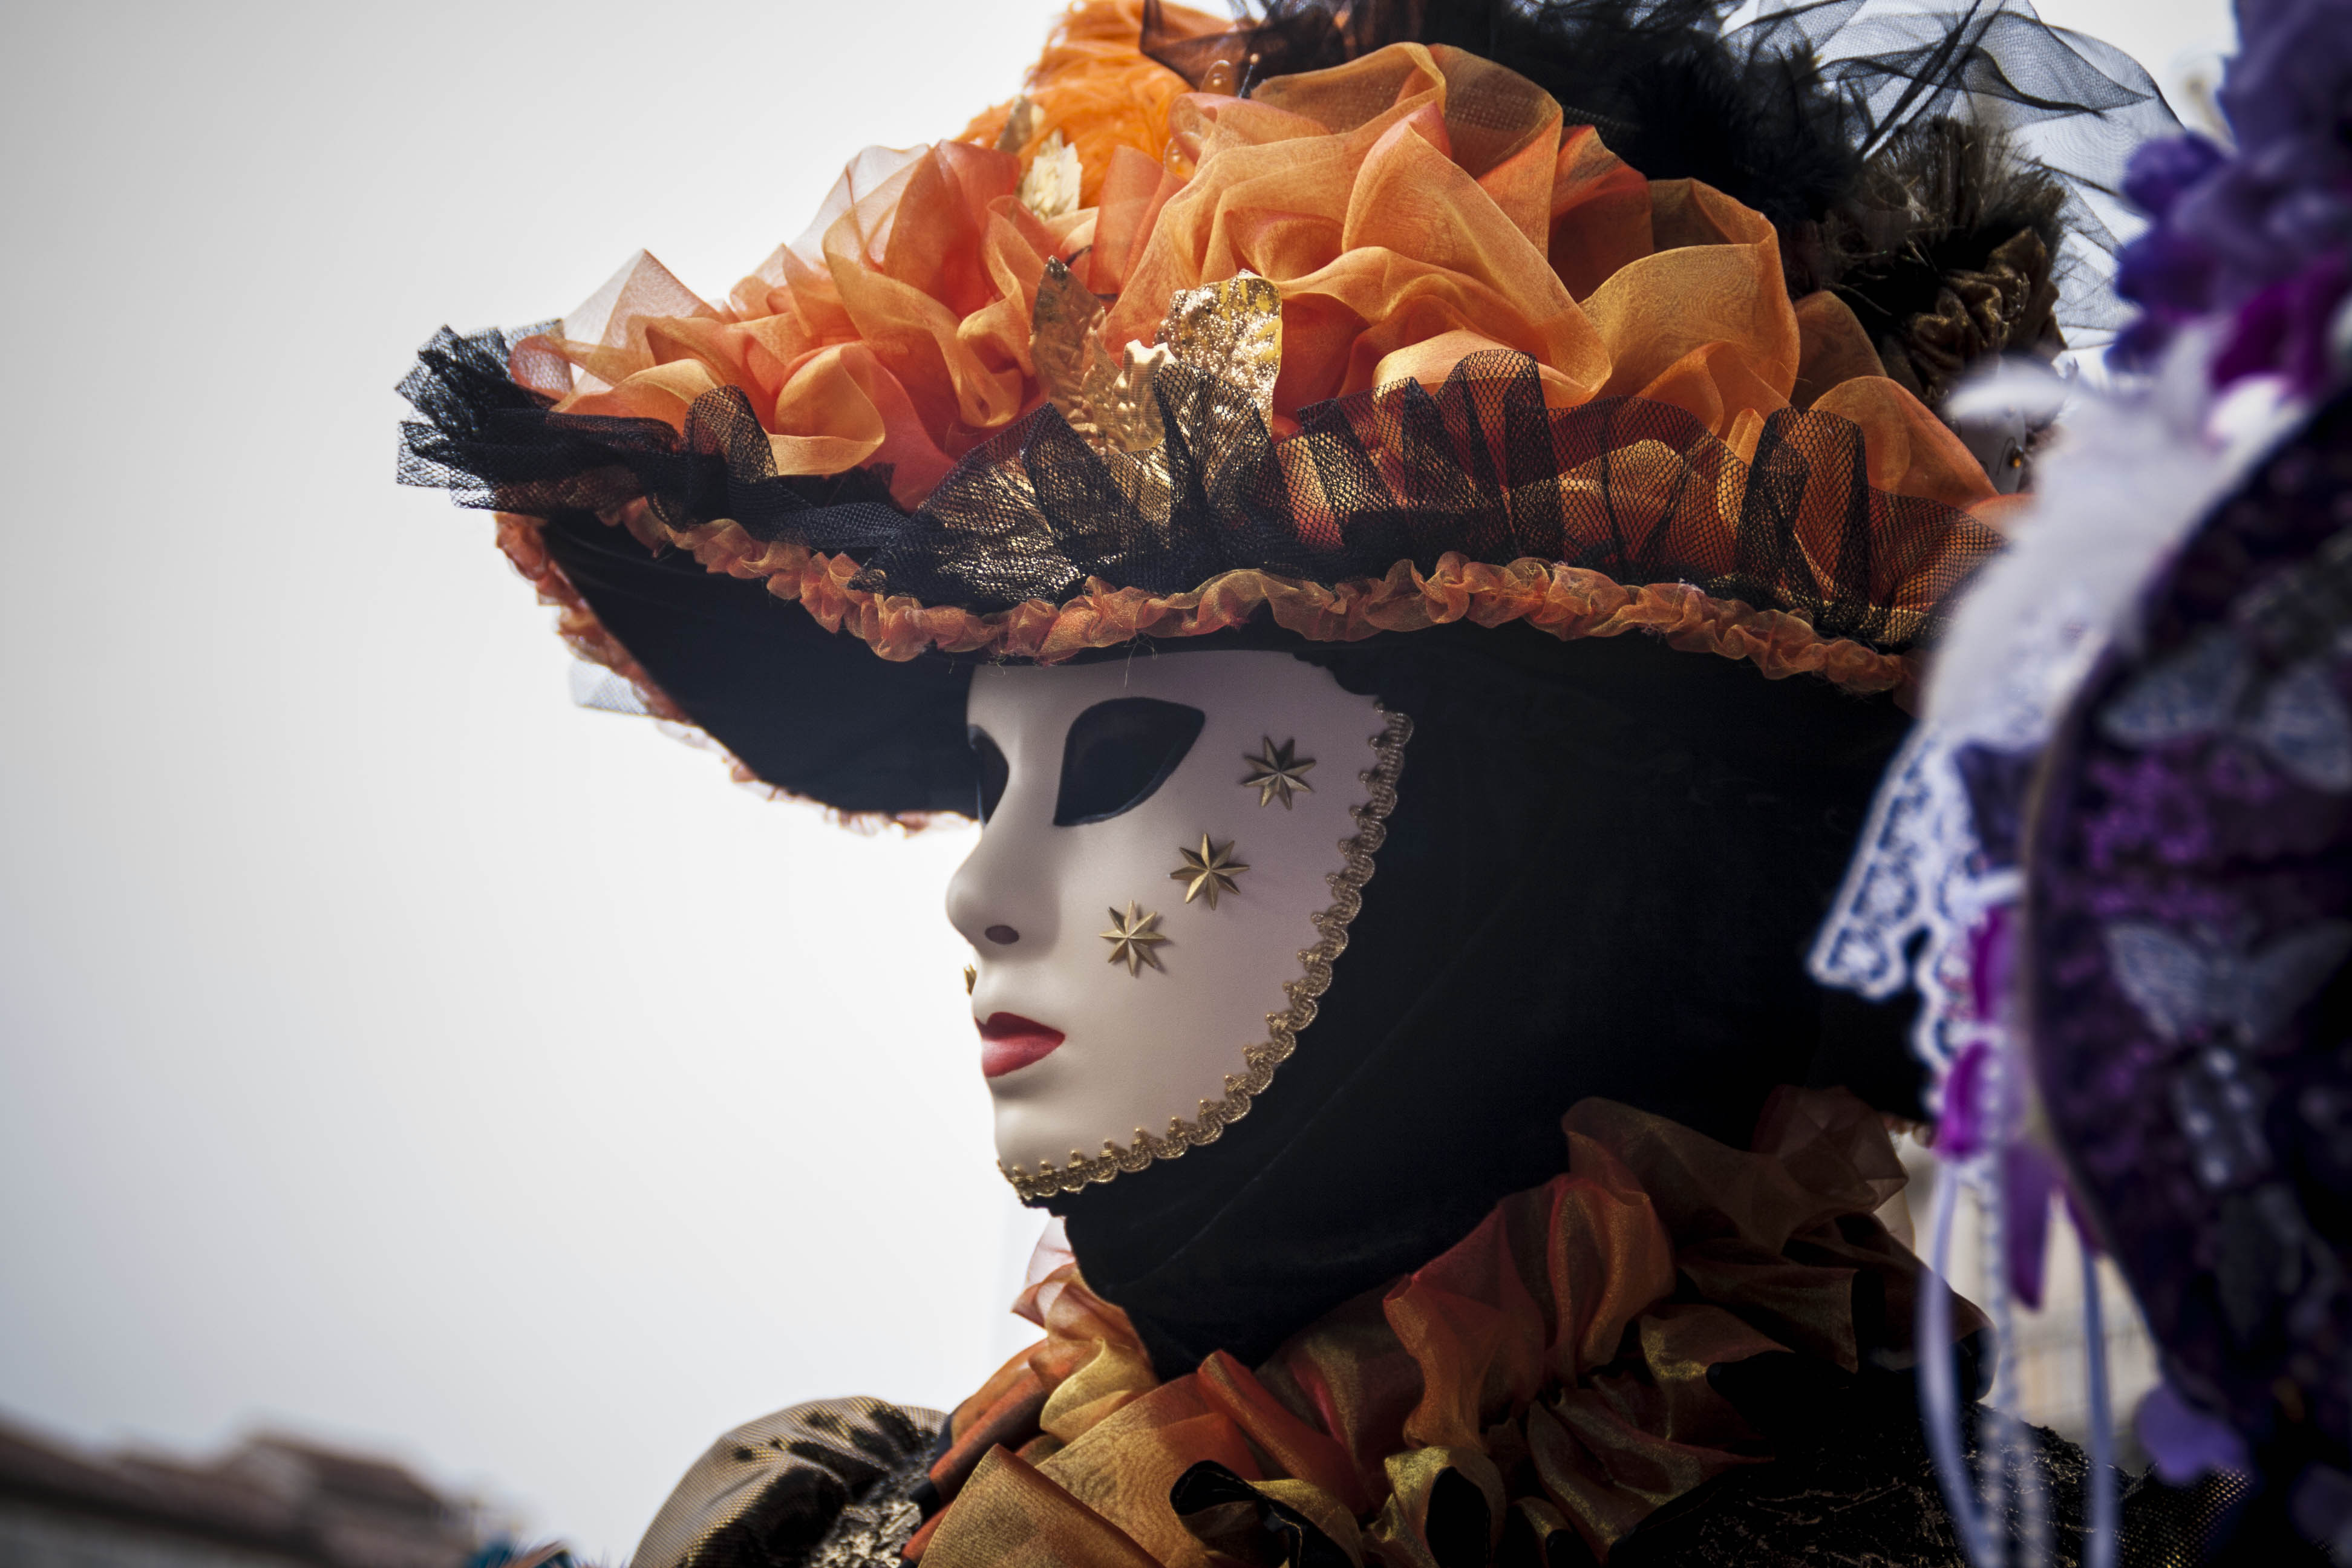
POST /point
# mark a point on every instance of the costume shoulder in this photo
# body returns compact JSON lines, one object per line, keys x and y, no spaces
{"x":827,"y":1482}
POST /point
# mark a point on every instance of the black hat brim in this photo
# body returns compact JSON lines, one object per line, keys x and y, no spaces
{"x":811,"y":711}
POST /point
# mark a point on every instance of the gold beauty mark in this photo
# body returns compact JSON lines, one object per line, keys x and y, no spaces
{"x":1277,"y":770}
{"x":1133,"y":937}
{"x":1210,"y":869}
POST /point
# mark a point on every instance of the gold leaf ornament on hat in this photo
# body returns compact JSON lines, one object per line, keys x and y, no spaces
{"x":1232,"y":333}
{"x":1108,"y":401}
{"x":1210,"y":869}
{"x":1224,"y":339}
{"x":1133,"y":937}
{"x":1019,"y":125}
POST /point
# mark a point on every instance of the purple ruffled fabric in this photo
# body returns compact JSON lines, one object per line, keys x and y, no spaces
{"x":2261,"y":234}
{"x":2191,"y":901}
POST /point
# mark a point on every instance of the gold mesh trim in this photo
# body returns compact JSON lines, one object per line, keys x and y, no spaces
{"x":1282,"y":1029}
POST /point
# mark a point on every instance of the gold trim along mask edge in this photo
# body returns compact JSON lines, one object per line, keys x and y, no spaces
{"x":1259,"y":1060}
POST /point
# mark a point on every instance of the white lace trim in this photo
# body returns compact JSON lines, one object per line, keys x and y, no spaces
{"x":2134,"y":476}
{"x":1919,"y":876}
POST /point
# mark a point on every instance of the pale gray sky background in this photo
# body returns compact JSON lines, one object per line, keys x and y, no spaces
{"x":389,"y":1050}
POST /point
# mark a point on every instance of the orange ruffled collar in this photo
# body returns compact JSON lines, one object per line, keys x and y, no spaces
{"x":1554,"y":1362}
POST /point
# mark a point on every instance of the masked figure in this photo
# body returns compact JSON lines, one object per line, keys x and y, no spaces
{"x":1418,"y":597}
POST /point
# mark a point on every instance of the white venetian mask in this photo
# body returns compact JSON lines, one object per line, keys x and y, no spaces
{"x":1128,"y":1012}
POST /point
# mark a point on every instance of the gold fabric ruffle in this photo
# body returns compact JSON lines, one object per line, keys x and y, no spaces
{"x":1555,"y":1361}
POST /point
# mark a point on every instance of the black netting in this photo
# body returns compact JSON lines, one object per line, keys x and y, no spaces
{"x":1637,"y":491}
{"x":494,"y":443}
{"x":1786,"y":111}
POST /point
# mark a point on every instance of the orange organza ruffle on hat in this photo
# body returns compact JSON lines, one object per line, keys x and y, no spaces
{"x":1568,"y":1340}
{"x":1093,"y":88}
{"x":1412,"y":208}
{"x":1568,"y":602}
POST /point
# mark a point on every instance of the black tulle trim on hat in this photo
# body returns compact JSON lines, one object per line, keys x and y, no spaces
{"x":1636,"y":490}
{"x":494,"y":443}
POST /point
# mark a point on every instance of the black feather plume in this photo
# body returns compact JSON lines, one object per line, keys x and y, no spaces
{"x":1945,"y":250}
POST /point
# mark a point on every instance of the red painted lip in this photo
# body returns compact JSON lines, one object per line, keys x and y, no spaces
{"x":1009,"y":1041}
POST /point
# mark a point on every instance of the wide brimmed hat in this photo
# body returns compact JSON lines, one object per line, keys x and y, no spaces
{"x":1376,"y":348}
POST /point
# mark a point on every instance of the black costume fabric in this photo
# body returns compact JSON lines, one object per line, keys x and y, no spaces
{"x":1604,"y":863}
{"x":1851,"y":1486}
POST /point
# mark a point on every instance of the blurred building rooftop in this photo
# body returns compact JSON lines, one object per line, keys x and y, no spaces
{"x":272,"y":1501}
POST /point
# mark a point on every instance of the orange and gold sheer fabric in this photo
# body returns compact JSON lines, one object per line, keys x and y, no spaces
{"x":1414,"y":207}
{"x":1556,"y":1359}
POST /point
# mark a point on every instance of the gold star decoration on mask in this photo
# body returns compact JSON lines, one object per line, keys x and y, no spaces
{"x":1277,"y":770}
{"x":1210,"y":869}
{"x":1133,"y":937}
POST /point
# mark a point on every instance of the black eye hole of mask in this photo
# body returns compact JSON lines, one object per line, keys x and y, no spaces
{"x":1118,"y":753}
{"x":994,"y":770}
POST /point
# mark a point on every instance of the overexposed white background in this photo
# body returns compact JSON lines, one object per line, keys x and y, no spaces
{"x":389,"y":1050}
